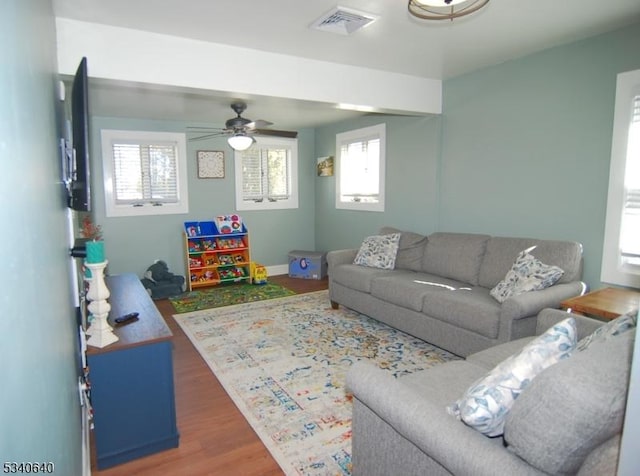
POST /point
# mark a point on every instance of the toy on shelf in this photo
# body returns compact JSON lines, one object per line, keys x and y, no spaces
{"x":208,"y":245}
{"x":230,"y":243}
{"x":225,"y":259}
{"x":229,"y":224}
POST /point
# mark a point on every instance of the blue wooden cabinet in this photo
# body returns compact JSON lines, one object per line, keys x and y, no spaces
{"x":132,"y":391}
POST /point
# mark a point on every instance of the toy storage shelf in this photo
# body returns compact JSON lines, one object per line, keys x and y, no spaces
{"x":214,"y":257}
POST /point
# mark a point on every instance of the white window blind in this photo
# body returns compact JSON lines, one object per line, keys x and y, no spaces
{"x":630,"y":226}
{"x":360,"y":177}
{"x":621,"y":246}
{"x":145,"y":173}
{"x":361,"y":168}
{"x":266,"y":175}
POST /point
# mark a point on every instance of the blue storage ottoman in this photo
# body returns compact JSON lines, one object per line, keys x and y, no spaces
{"x":307,"y":264}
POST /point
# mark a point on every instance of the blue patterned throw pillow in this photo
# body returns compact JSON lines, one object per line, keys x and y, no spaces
{"x":486,"y":403}
{"x":617,"y":326}
{"x":526,"y":274}
{"x":378,"y":251}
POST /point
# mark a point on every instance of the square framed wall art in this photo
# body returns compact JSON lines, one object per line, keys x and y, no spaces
{"x":210,"y":163}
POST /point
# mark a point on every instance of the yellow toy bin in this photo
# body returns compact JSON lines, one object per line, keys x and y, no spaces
{"x":258,"y":273}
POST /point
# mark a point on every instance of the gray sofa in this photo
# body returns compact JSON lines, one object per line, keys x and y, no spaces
{"x":567,"y":421}
{"x":439,"y":288}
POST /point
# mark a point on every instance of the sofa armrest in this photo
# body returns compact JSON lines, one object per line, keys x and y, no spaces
{"x":336,"y":257}
{"x":532,"y":302}
{"x":549,"y":317}
{"x":445,"y":439}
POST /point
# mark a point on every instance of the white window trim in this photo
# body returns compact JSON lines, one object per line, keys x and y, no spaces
{"x":627,"y":86}
{"x":108,"y":136}
{"x":292,"y":201}
{"x":364,"y":133}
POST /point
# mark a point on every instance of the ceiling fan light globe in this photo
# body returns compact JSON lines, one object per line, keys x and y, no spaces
{"x":240,"y":142}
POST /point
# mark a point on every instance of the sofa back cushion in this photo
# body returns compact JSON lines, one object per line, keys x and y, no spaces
{"x":501,"y":253}
{"x":455,"y":255}
{"x":572,"y":407}
{"x":410,"y":249}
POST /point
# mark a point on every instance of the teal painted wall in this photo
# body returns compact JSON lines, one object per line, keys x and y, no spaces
{"x":39,"y":404}
{"x":412,"y":168}
{"x":527,"y":144}
{"x":134,"y":243}
{"x":522,"y":149}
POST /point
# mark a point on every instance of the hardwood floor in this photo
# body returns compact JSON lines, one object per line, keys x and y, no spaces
{"x":215,"y":439}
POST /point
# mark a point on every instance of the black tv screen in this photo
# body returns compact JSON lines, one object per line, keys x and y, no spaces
{"x":80,"y":190}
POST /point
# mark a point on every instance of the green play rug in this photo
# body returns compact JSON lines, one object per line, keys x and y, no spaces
{"x":227,"y":295}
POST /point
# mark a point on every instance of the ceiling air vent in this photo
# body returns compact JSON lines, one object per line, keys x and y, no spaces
{"x":343,"y":21}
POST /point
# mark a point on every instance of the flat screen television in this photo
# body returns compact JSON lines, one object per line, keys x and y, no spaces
{"x":79,"y":170}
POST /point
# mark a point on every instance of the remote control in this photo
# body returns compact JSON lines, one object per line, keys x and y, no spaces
{"x":126,"y":318}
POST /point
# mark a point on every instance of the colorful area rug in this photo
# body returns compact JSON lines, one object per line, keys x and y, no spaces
{"x":284,"y":362}
{"x":227,"y":295}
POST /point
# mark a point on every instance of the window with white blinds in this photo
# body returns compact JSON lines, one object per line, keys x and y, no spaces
{"x":266,"y":175}
{"x":361,"y":169}
{"x":630,"y":227}
{"x":621,"y":251}
{"x":145,"y":173}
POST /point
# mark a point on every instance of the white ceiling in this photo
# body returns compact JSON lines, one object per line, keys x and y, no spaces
{"x":398,"y":42}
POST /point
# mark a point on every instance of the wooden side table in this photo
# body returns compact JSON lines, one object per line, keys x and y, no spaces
{"x":607,"y":303}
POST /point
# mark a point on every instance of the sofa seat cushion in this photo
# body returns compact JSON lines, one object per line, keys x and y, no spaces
{"x":455,"y":255}
{"x":492,"y":356}
{"x":358,"y":277}
{"x":441,"y":384}
{"x":471,"y":309}
{"x":572,"y":407}
{"x":409,"y":289}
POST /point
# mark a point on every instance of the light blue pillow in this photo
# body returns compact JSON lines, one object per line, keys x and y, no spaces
{"x":615,"y":327}
{"x":486,"y":403}
{"x":527,"y":273}
{"x":378,"y":251}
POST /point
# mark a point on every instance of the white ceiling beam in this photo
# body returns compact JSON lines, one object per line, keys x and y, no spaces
{"x":132,"y":55}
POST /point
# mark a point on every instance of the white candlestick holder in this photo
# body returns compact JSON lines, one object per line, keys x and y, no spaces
{"x":100,"y":331}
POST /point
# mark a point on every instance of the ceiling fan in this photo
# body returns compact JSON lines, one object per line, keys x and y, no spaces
{"x":240,"y":130}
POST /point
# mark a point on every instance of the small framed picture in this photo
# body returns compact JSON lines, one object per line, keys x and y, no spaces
{"x":210,"y":163}
{"x":325,"y":166}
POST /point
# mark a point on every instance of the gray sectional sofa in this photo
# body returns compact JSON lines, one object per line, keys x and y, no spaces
{"x":568,"y":420}
{"x":439,"y":288}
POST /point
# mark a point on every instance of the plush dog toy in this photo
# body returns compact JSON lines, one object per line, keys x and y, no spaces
{"x":161,"y":283}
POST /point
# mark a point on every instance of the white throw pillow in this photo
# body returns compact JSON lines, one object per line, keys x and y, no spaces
{"x":526,"y":274}
{"x":486,"y":403}
{"x":378,"y":251}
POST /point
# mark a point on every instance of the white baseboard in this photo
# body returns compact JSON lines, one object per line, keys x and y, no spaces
{"x":277,"y":269}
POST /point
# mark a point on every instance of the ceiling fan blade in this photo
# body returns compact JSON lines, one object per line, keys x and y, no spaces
{"x":208,"y":136}
{"x":258,"y":124}
{"x":276,"y":133}
{"x":203,"y":129}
